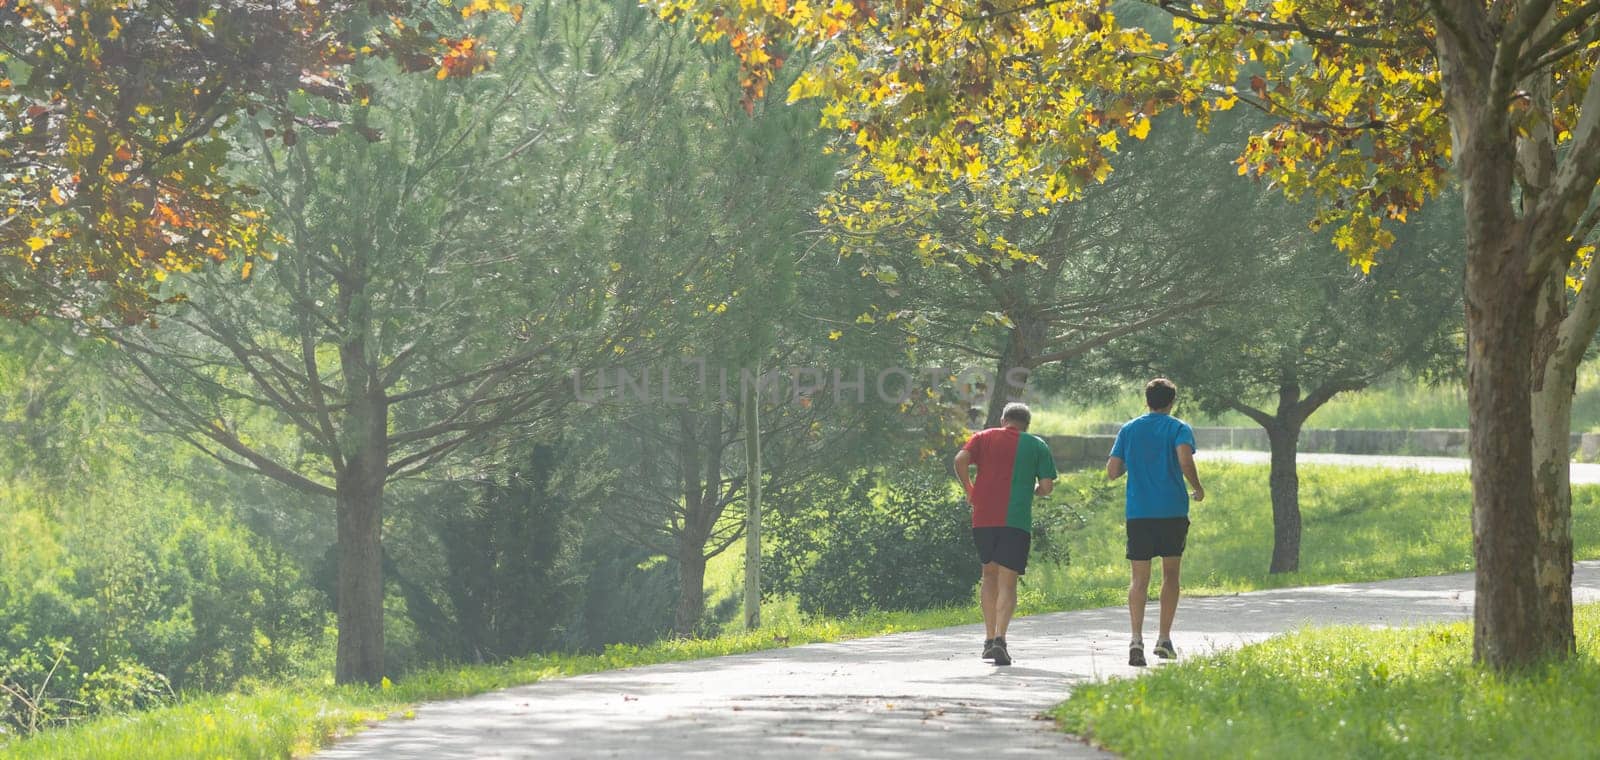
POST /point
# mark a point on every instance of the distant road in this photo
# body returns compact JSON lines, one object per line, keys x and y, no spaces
{"x":1582,"y":474}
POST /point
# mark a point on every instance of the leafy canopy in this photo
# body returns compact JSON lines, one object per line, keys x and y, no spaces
{"x":111,"y":149}
{"x":1032,"y":97}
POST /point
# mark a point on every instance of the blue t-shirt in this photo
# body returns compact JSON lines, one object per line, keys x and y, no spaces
{"x":1148,"y":446}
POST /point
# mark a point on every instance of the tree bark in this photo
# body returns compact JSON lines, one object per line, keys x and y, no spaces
{"x":752,"y":526}
{"x":1500,"y":335}
{"x":359,"y":485}
{"x":359,"y":658}
{"x":1011,"y":377}
{"x":1500,"y":305}
{"x":691,"y":587}
{"x":1284,"y":483}
{"x":1555,"y":380}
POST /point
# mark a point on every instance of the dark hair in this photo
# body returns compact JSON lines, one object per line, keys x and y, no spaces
{"x":1017,"y":412}
{"x":1159,"y":393}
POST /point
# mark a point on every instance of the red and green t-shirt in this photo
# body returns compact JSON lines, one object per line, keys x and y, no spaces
{"x":1009,"y":462}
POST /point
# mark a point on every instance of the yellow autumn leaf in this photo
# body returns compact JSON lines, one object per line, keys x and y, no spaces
{"x":1140,"y":128}
{"x":36,"y":242}
{"x":809,"y":85}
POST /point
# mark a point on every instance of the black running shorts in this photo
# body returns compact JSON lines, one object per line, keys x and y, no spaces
{"x":1157,"y":537}
{"x":1006,"y":547}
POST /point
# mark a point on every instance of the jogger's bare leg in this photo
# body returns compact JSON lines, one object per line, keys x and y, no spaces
{"x":988,"y":594}
{"x":1138,"y":595}
{"x":1169,"y":594}
{"x":1006,"y":600}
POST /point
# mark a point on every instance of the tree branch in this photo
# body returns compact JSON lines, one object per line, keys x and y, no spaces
{"x":1539,"y":53}
{"x":1572,"y":191}
{"x":180,"y":414}
{"x":1353,"y":36}
{"x":1127,"y":329}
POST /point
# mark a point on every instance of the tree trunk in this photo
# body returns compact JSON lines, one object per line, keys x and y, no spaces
{"x":1499,"y":352}
{"x":691,"y":588}
{"x":1010,"y":380}
{"x":360,"y":604}
{"x":358,"y":487}
{"x":1284,"y":483}
{"x":752,"y":526}
{"x":1500,"y":302}
{"x":1555,"y":379}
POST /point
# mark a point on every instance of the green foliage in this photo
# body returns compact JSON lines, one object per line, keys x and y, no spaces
{"x":120,"y":581}
{"x":510,"y":562}
{"x":627,"y":597}
{"x":896,"y":542}
{"x":133,"y":591}
{"x":1349,"y":692}
{"x":116,"y":173}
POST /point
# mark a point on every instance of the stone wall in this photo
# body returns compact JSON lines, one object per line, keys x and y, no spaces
{"x":1074,"y":452}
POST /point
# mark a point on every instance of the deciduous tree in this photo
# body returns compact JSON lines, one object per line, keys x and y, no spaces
{"x":112,"y":121}
{"x":1373,"y":104}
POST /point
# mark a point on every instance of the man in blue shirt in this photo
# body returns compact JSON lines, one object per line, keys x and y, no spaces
{"x":1156,"y":451}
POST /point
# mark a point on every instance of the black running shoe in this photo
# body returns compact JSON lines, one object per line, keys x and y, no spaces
{"x":988,"y":649}
{"x":1136,"y":656}
{"x":1165,"y":650}
{"x":1001,"y":656}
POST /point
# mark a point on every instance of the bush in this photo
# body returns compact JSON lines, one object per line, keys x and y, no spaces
{"x":140,"y":597}
{"x":512,"y":555}
{"x":864,"y":543}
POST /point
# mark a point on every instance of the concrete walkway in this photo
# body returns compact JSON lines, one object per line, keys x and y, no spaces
{"x":1582,"y":474}
{"x":911,"y":695}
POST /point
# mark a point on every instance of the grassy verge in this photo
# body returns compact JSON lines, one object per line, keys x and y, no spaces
{"x":1350,"y":692}
{"x":1360,"y":524}
{"x":294,"y":719}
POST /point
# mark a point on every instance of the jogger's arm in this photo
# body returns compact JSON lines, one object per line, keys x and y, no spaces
{"x":1114,"y":468}
{"x":964,"y":471}
{"x":1186,"y":463}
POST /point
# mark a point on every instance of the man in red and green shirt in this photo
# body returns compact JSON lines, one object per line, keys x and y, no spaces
{"x":1013,"y":467}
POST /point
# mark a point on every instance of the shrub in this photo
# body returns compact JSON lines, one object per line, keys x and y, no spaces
{"x":901,"y":542}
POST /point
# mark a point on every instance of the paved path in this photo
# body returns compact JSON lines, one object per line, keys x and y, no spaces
{"x":910,"y":695}
{"x":1582,"y":474}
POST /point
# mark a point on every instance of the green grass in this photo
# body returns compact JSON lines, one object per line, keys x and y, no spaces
{"x":1360,"y":524}
{"x":1398,"y":405}
{"x":294,"y":719}
{"x":1350,"y":692}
